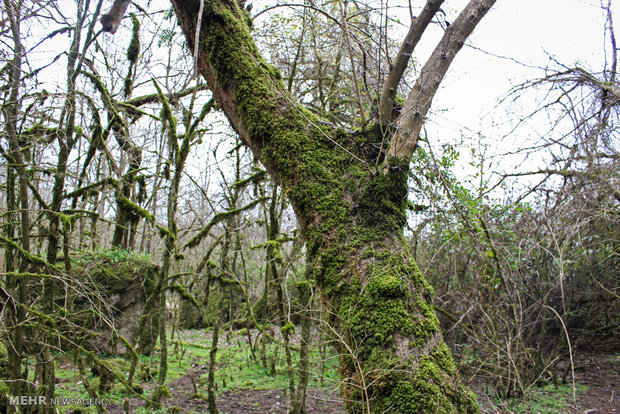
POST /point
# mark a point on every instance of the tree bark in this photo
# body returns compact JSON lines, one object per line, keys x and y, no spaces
{"x":305,"y":299}
{"x":16,"y":161}
{"x":392,"y":355}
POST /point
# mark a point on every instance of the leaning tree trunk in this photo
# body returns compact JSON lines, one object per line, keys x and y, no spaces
{"x":352,"y":215}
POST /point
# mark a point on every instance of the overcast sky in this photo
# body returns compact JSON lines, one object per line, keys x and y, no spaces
{"x":528,"y":31}
{"x":513,"y":43}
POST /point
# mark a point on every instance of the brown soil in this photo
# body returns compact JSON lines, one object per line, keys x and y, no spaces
{"x":243,"y":401}
{"x":601,"y":374}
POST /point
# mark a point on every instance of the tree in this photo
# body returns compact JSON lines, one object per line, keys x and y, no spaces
{"x":10,"y":111}
{"x":350,"y":199}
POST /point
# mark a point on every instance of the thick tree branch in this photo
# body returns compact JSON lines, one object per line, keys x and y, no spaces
{"x":112,"y":19}
{"x":154,"y":97}
{"x":418,"y":26}
{"x":249,"y":90}
{"x":421,"y":96}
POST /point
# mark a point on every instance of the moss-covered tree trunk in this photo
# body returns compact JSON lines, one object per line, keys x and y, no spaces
{"x":352,"y":215}
{"x":393,"y":357}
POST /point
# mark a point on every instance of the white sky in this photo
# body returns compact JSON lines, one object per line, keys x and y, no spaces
{"x":528,"y":31}
{"x":525,"y":31}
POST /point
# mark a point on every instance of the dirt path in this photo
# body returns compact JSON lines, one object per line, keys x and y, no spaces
{"x":601,"y":374}
{"x":244,"y":401}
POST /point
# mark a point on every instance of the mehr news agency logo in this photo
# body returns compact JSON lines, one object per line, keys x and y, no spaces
{"x":34,"y":400}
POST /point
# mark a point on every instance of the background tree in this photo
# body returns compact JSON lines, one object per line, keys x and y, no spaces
{"x":517,"y":269}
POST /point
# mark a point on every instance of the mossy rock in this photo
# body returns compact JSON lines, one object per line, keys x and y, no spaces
{"x":188,"y":316}
{"x":124,"y":280}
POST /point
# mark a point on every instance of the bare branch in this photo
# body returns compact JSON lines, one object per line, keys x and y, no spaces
{"x":418,"y":26}
{"x":419,"y":100}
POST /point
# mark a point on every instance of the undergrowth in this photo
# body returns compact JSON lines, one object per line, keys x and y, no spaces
{"x":237,"y":369}
{"x":550,"y":399}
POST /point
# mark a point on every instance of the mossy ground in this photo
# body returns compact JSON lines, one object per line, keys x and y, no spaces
{"x":549,"y":399}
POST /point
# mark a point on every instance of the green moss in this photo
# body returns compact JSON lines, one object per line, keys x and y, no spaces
{"x":111,"y":257}
{"x":427,"y":389}
{"x":4,"y":362}
{"x":443,"y":358}
{"x":288,"y":328}
{"x":128,"y":85}
{"x":164,"y":232}
{"x":116,"y":269}
{"x":430,"y":390}
{"x":134,"y":210}
{"x":133,"y":51}
{"x":163,"y":391}
{"x":399,"y":101}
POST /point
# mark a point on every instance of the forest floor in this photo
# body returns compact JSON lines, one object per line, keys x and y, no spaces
{"x":245,"y":386}
{"x":597,"y":378}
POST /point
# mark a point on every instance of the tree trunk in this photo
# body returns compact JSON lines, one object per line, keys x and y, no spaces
{"x":305,"y":299}
{"x":393,"y":356}
{"x":15,"y":161}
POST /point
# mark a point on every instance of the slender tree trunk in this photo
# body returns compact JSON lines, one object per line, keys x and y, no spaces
{"x":223,"y":303}
{"x":16,"y":162}
{"x":213,"y":359}
{"x":65,"y":143}
{"x":305,"y":296}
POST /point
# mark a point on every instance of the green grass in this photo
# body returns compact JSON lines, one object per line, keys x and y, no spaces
{"x":71,"y":386}
{"x":238,"y":370}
